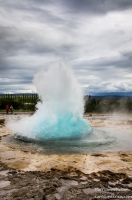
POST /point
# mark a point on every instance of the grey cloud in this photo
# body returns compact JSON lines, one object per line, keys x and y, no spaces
{"x":15,"y":88}
{"x":127,"y":54}
{"x":123,"y":86}
{"x":16,"y":82}
{"x":89,"y":6}
{"x":3,"y":64}
{"x":117,"y":63}
{"x":39,"y":10}
{"x":109,"y":74}
{"x":97,"y":6}
{"x":13,"y":43}
{"x":20,"y":41}
{"x":124,"y":61}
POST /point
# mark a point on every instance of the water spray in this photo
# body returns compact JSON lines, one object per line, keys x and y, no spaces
{"x":59,"y":114}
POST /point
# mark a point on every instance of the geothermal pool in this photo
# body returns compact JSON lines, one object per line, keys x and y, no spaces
{"x":110,"y":133}
{"x":115,"y":155}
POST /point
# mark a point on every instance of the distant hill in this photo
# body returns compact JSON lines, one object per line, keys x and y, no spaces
{"x":111,"y":94}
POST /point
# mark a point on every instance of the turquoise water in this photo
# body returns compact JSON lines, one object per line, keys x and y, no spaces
{"x":58,"y":127}
{"x":94,"y":141}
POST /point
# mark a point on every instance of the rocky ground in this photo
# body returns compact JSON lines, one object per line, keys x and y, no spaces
{"x":69,"y":184}
{"x":26,"y":174}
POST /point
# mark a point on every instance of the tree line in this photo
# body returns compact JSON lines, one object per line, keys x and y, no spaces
{"x":19,"y":101}
{"x":92,"y":104}
{"x":108,"y":104}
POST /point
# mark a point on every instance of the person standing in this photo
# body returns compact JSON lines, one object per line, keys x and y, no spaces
{"x":11,"y":109}
{"x":7,"y":109}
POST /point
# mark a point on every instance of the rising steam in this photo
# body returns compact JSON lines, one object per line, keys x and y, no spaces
{"x":60,"y":112}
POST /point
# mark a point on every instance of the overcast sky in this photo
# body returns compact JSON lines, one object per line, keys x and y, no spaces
{"x":93,"y":36}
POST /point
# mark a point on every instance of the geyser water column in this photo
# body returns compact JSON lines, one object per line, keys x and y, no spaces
{"x":59,"y":115}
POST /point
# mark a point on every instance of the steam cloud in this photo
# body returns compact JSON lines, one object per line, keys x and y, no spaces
{"x":60,"y":112}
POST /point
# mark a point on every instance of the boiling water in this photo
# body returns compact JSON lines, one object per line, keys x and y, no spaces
{"x":58,"y":120}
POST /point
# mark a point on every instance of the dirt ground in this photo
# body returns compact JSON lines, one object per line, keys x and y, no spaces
{"x":26,"y":173}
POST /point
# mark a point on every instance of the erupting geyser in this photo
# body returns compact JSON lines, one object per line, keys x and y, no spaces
{"x":59,"y":115}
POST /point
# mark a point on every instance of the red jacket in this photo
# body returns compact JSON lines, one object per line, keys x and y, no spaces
{"x":7,"y":107}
